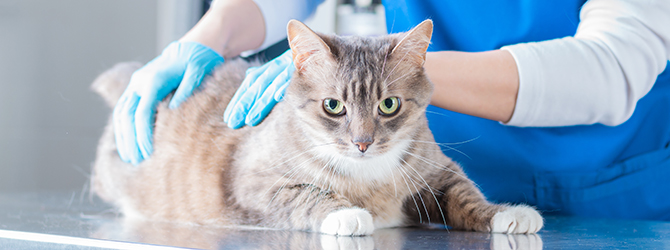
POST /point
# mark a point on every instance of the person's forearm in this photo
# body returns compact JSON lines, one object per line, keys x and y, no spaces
{"x":229,"y":27}
{"x":483,"y":84}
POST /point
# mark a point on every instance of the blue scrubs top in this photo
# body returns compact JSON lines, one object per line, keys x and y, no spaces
{"x":594,"y":170}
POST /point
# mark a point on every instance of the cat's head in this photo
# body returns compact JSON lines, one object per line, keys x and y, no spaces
{"x":360,"y":100}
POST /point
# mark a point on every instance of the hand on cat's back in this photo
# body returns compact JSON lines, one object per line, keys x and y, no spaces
{"x":181,"y":66}
{"x":261,"y":89}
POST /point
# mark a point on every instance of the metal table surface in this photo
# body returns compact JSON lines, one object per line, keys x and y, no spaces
{"x":72,"y":220}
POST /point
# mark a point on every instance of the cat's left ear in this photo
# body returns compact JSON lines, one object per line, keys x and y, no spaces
{"x":307,"y":46}
{"x":414,"y":44}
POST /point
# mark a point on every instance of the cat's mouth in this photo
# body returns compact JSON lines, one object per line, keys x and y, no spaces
{"x":359,"y":155}
{"x":362,"y":155}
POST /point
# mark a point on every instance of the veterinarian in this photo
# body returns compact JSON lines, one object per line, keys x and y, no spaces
{"x":563,"y":105}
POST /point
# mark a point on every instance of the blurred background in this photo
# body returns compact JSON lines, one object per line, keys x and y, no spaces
{"x":51,"y":51}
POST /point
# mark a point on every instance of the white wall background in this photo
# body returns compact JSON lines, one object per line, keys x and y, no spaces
{"x":50,"y":52}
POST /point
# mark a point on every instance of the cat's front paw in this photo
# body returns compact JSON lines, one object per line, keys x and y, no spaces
{"x":348,"y":222}
{"x":517,"y":220}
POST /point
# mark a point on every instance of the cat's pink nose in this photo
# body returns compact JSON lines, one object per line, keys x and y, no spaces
{"x":363,"y":145}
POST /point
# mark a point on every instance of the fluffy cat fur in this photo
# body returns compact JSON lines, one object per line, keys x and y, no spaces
{"x":303,"y":168}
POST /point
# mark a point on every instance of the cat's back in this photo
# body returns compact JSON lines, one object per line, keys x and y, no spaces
{"x":186,"y":178}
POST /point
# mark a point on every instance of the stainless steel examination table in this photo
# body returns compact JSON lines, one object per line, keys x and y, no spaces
{"x":71,"y":220}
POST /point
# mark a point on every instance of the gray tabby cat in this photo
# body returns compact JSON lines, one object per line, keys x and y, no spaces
{"x":347,"y":151}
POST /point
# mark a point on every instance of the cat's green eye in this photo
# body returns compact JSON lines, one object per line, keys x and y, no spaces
{"x":389,"y":106}
{"x":333,"y":107}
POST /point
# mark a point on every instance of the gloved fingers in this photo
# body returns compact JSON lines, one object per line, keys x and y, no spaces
{"x":204,"y":62}
{"x":250,"y":69}
{"x":251,"y":75}
{"x":282,"y":82}
{"x":264,"y":104}
{"x":144,"y":119}
{"x":192,"y":79}
{"x":124,"y":128}
{"x":256,"y":92}
{"x":251,"y":97}
{"x":260,"y":110}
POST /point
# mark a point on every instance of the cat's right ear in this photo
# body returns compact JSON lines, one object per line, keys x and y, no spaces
{"x":306,"y":45}
{"x":414,"y":44}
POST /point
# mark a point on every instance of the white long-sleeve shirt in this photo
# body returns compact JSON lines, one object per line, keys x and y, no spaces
{"x":595,"y":76}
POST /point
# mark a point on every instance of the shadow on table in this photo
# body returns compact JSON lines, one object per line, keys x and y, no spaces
{"x":181,"y":235}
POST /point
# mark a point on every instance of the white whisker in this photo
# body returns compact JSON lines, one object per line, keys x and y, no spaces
{"x":384,"y":64}
{"x":417,"y":192}
{"x":448,"y":148}
{"x":414,"y":199}
{"x":436,"y":165}
{"x":443,"y":143}
{"x":308,"y":195}
{"x":431,"y":192}
{"x":286,"y":181}
{"x":400,"y":77}
{"x":296,"y":156}
{"x":437,"y":113}
{"x":395,"y":187}
{"x":396,"y":65}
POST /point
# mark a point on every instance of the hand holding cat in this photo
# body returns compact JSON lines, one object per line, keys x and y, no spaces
{"x":181,"y":66}
{"x":262,"y":88}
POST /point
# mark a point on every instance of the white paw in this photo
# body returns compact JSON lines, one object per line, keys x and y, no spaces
{"x":517,"y":220}
{"x":348,"y":222}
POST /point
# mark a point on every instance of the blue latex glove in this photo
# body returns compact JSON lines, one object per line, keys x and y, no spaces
{"x":261,"y":89}
{"x":181,"y":66}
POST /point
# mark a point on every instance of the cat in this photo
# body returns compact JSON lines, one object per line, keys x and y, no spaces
{"x":348,"y":150}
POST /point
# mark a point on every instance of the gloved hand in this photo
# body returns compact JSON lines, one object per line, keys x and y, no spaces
{"x":261,"y":89}
{"x":181,"y":66}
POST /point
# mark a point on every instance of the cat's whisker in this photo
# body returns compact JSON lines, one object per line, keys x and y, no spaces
{"x":280,"y":188}
{"x":447,"y":149}
{"x":443,"y":143}
{"x":395,"y":187}
{"x":384,"y":64}
{"x":400,"y":77}
{"x":450,"y":147}
{"x":430,"y":189}
{"x":437,"y":113}
{"x":336,"y":168}
{"x":327,"y":180}
{"x":458,"y":151}
{"x":431,"y":163}
{"x":292,"y":158}
{"x":410,"y":192}
{"x":216,"y":144}
{"x":273,"y":166}
{"x":289,"y":178}
{"x":396,"y":65}
{"x":325,"y":144}
{"x":314,"y":182}
{"x":307,"y":195}
{"x":436,"y":165}
{"x":417,"y":192}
